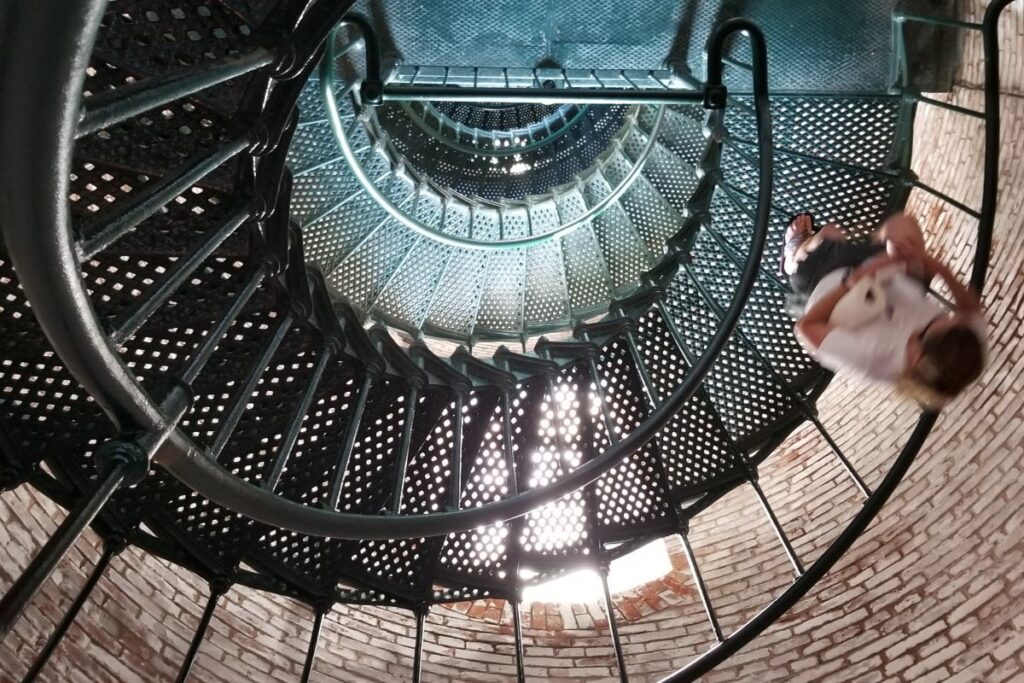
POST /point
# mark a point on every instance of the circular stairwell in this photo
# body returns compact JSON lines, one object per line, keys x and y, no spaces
{"x":295,"y":393}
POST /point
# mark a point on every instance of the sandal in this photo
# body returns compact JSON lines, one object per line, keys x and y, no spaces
{"x":793,"y":240}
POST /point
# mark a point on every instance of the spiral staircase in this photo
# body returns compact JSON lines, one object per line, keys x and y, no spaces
{"x":267,"y":337}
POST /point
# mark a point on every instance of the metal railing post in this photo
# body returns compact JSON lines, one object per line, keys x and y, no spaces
{"x":218,"y":587}
{"x":613,"y":626}
{"x":123,"y":459}
{"x":417,"y":661}
{"x":517,"y":631}
{"x":112,"y":547}
{"x":314,"y":640}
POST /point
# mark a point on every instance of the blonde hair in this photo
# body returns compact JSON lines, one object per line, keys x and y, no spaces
{"x":950,"y":360}
{"x":920,"y":393}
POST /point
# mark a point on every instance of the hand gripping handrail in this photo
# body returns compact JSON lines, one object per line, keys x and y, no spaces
{"x":38,"y":152}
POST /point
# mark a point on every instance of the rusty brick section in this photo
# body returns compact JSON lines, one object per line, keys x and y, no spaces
{"x":931,"y":593}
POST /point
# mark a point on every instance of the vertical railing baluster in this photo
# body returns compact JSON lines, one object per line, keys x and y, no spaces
{"x":351,"y":433}
{"x":517,"y":630}
{"x":314,"y":641}
{"x":213,"y":338}
{"x":154,"y":196}
{"x":613,"y":626}
{"x":698,"y":580}
{"x":112,"y":546}
{"x":776,"y":526}
{"x":295,"y":424}
{"x":404,"y":445}
{"x":417,"y":662}
{"x":455,"y":490}
{"x":108,"y":108}
{"x":114,"y":472}
{"x":130,"y":320}
{"x":241,"y":397}
{"x":595,"y":377}
{"x":218,"y":587}
{"x":508,"y":448}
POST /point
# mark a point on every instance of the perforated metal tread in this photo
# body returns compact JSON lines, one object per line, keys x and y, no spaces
{"x":519,"y":293}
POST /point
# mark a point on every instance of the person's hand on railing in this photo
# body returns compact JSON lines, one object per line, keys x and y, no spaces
{"x":964,"y":298}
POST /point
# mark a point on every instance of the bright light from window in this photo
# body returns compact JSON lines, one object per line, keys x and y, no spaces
{"x":645,"y":564}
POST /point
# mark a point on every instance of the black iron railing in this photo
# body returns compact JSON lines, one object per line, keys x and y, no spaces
{"x":47,"y":255}
{"x":39,"y":109}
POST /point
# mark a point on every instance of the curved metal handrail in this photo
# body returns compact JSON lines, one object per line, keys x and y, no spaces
{"x":877,"y":500}
{"x":38,"y":153}
{"x":493,"y":135}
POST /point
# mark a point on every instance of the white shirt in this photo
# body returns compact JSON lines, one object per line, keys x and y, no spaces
{"x":878,"y":348}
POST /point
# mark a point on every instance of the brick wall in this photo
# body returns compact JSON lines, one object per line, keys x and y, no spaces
{"x":931,"y":592}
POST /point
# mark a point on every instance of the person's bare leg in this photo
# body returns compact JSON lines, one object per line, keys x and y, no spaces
{"x":830,"y":231}
{"x":797,"y":235}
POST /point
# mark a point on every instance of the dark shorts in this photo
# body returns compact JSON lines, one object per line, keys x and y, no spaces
{"x":830,"y":255}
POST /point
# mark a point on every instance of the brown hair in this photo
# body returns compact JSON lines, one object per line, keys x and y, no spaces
{"x":950,"y":360}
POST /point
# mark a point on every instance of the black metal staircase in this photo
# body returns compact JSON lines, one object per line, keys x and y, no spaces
{"x":181,"y":373}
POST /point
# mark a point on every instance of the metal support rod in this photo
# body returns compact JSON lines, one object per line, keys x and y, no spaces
{"x":151,"y":198}
{"x":417,"y":661}
{"x":455,"y":489}
{"x":702,"y":589}
{"x":111,"y":548}
{"x":314,"y":640}
{"x":437,"y":93}
{"x":737,"y":63}
{"x":937,"y":21}
{"x":404,"y":446}
{"x":613,"y":627}
{"x":990,"y":184}
{"x":241,"y":397}
{"x":556,"y":410}
{"x":212,"y":339}
{"x":653,"y":395}
{"x":291,"y":435}
{"x":738,"y":144}
{"x":517,"y":630}
{"x":596,"y":378}
{"x":776,"y":526}
{"x":973,"y":213}
{"x":111,"y":107}
{"x":217,"y":589}
{"x":42,"y":565}
{"x":918,"y":97}
{"x":345,"y":454}
{"x":508,"y":447}
{"x":130,"y":320}
{"x":654,"y":398}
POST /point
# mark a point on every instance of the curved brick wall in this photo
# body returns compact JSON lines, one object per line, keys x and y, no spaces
{"x":932,"y":592}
